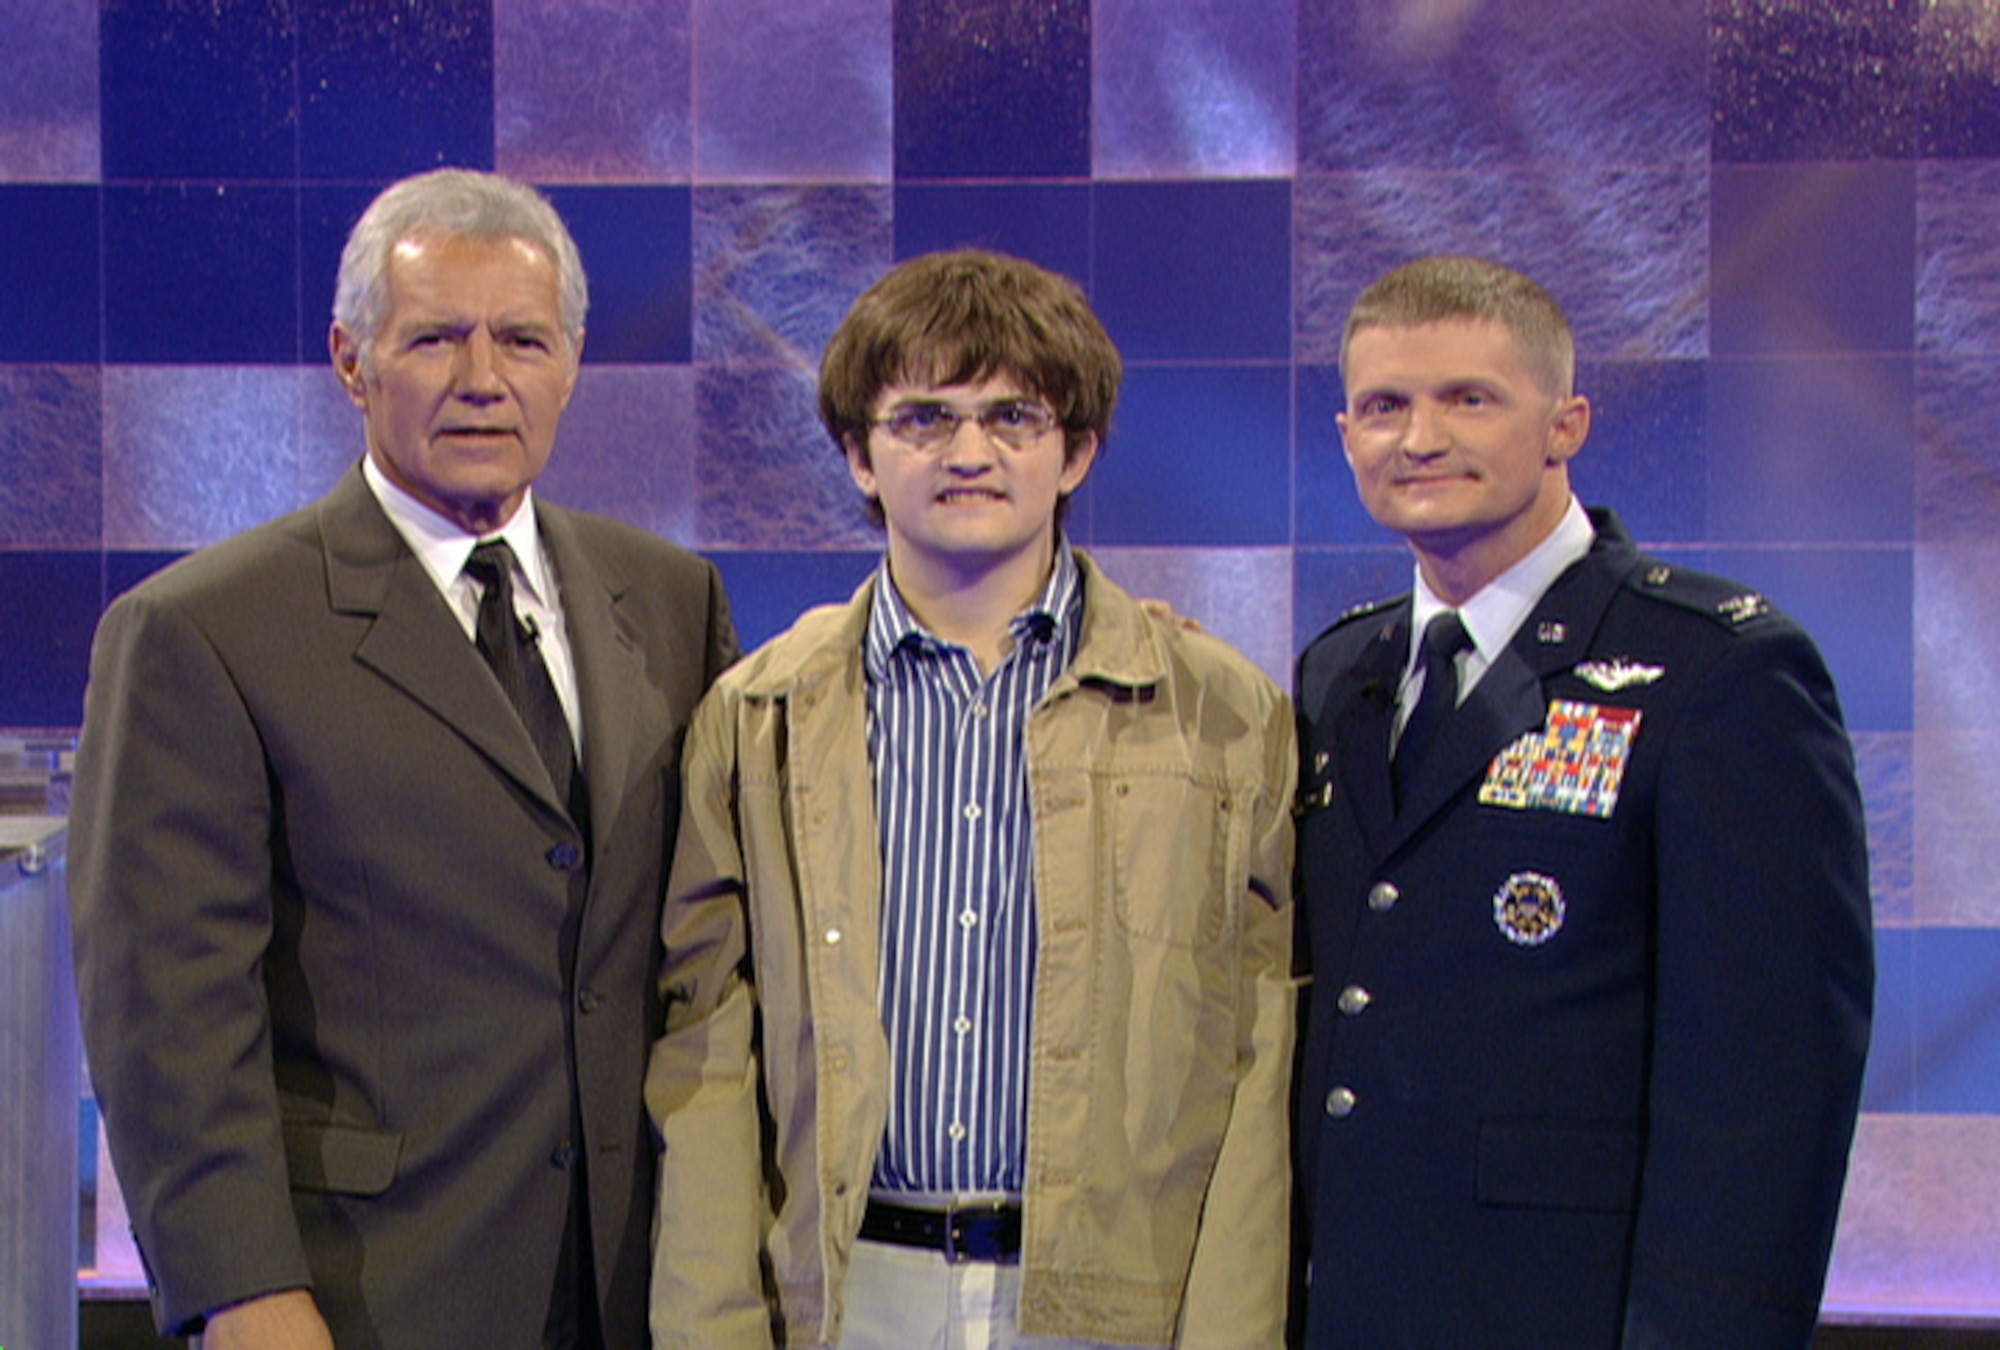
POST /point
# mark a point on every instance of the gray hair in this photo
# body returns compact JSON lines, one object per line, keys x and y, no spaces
{"x":448,"y":202}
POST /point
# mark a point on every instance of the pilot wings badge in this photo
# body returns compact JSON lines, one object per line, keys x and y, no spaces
{"x":1617,"y":673}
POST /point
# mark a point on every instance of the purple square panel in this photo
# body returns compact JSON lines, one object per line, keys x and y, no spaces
{"x":51,"y":467}
{"x":637,"y":250}
{"x":49,"y":604}
{"x":775,"y":269}
{"x":1815,"y":448}
{"x":1813,"y":257}
{"x":1958,"y":81}
{"x":1199,"y":89}
{"x":1200,"y":456}
{"x":49,"y":110}
{"x":193,"y":454}
{"x":1195,"y":271}
{"x":167,"y":299}
{"x":786,"y":92}
{"x":200,"y":91}
{"x":768,"y":477}
{"x":51,"y":288}
{"x":592,"y":93}
{"x":1826,"y":80}
{"x":394,"y":87}
{"x":988,"y":90}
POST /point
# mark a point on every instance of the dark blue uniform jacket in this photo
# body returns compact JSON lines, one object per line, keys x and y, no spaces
{"x":1588,"y":1018}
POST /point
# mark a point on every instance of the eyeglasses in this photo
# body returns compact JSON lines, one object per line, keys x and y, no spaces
{"x":1016,"y":423}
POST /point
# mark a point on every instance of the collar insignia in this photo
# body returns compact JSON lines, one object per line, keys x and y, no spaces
{"x":1618,"y":673}
{"x":1743,"y":608}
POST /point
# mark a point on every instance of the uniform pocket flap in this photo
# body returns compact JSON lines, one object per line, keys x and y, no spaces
{"x":1558,"y":1166}
{"x":348,"y":1159}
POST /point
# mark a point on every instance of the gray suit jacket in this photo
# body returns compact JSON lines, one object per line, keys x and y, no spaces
{"x":340,"y":948}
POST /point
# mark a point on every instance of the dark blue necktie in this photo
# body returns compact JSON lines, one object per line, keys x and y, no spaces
{"x":1444,"y":639}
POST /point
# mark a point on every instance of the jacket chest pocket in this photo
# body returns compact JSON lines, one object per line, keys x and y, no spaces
{"x":1175,"y":859}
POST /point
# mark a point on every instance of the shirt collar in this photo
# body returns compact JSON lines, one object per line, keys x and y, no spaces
{"x":1496,"y":613}
{"x":891,"y":625}
{"x":443,"y":547}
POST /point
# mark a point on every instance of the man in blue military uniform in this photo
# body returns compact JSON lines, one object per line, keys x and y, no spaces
{"x":1584,"y":879}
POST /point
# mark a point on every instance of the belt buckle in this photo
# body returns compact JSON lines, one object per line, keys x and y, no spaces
{"x":972,"y":1233}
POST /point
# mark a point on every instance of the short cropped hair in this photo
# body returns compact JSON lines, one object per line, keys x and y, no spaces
{"x":1449,"y":286}
{"x":966,"y":315}
{"x":451,"y":202}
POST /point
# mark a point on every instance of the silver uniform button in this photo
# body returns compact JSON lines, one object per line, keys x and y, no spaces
{"x":1353,"y":999}
{"x":1340,"y":1103}
{"x":1383,"y":895}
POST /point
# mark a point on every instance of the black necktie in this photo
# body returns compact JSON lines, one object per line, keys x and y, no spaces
{"x":1444,"y":639}
{"x":513,"y":650}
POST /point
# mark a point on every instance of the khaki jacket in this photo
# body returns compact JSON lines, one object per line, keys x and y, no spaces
{"x":1161,"y":767}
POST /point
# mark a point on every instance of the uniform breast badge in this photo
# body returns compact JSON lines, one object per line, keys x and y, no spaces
{"x":1618,"y":673}
{"x":1529,"y":908}
{"x":1574,"y":764}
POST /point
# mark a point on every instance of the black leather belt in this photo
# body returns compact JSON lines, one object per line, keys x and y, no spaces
{"x":974,"y":1232}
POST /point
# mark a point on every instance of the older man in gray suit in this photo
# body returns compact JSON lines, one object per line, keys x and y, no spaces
{"x":372,"y":810}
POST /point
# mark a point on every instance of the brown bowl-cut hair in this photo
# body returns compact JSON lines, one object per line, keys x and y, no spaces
{"x":967,"y":315}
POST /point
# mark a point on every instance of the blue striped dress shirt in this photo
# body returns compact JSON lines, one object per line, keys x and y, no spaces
{"x":948,"y":750}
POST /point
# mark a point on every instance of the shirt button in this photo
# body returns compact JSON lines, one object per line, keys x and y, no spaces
{"x":973,"y":811}
{"x":957,"y":1131}
{"x":564,"y":856}
{"x":967,"y":919}
{"x":563,"y":1156}
{"x":588,"y":1000}
{"x":1340,"y":1103}
{"x":1382,"y":896}
{"x":832,"y":936}
{"x":962,"y":1025}
{"x":979,"y":710}
{"x":1353,"y":999}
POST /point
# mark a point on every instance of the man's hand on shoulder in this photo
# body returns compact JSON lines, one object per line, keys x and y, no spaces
{"x":285,"y":1321}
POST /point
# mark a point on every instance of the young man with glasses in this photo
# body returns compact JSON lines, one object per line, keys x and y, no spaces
{"x":978,"y":940}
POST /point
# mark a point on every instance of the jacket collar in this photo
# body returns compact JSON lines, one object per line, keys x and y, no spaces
{"x":1117,"y":648}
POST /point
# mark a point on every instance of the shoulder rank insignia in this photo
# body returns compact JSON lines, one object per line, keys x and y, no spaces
{"x":1618,"y":673}
{"x":1365,"y":609}
{"x":1529,"y":908}
{"x":1743,"y":608}
{"x":1575,"y":764}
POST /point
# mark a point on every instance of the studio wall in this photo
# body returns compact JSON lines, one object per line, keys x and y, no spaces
{"x":1772,"y":222}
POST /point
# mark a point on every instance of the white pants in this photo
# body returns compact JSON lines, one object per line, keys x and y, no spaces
{"x":905,"y":1298}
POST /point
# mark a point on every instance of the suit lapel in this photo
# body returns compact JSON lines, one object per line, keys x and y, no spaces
{"x":1363,"y":707}
{"x":1506,"y":702}
{"x":610,"y":667}
{"x":415,"y":642}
